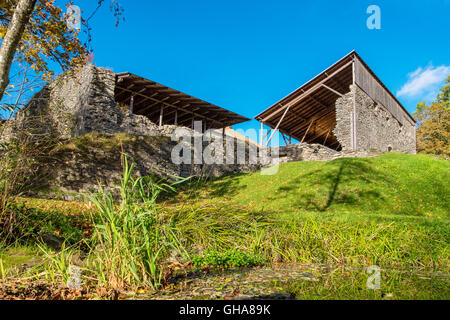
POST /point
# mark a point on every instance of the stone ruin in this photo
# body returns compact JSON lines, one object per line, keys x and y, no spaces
{"x":80,"y":109}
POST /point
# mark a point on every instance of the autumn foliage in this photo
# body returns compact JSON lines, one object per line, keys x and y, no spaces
{"x":433,"y":132}
{"x":47,"y":38}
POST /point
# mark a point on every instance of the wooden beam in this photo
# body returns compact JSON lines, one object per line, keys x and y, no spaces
{"x":268,"y":132}
{"x":161,"y":114}
{"x":323,"y":105}
{"x":306,"y":93}
{"x":156,"y":104}
{"x":292,"y":135}
{"x":354,"y":141}
{"x":169,"y":115}
{"x":140,"y":91}
{"x":318,"y":116}
{"x":306,"y":105}
{"x":170,"y":105}
{"x":293,"y":119}
{"x":149,"y":107}
{"x":336,"y":143}
{"x":185,"y":119}
{"x":296,"y":115}
{"x":131,"y":104}
{"x":284,"y":138}
{"x":338,"y":84}
{"x":286,"y":133}
{"x":118,"y":96}
{"x":310,"y":105}
{"x":318,"y":135}
{"x":122,"y":77}
{"x":332,"y":90}
{"x":261,"y":138}
{"x":306,"y":133}
{"x":278,"y":125}
{"x":326,"y":138}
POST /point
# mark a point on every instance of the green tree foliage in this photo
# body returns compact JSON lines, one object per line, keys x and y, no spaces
{"x":433,"y":132}
{"x":444,"y":96}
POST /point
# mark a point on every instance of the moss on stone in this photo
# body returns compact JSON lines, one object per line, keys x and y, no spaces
{"x":107,"y":142}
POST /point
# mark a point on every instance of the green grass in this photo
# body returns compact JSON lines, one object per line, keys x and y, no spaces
{"x":63,"y":220}
{"x":344,"y":285}
{"x":227,"y":259}
{"x":394,"y":185}
{"x":391,"y":211}
{"x":16,"y":255}
{"x":106,"y":142}
{"x":15,"y":259}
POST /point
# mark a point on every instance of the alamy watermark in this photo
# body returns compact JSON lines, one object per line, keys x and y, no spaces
{"x":374,"y":20}
{"x":374,"y":280}
{"x":74,"y":279}
{"x":73,"y":17}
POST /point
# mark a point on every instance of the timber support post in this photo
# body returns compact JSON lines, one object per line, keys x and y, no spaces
{"x":161,"y":115}
{"x":132,"y":104}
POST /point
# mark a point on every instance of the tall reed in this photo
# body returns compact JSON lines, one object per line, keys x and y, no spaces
{"x":130,"y":238}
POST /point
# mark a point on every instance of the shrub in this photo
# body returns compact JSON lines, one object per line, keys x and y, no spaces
{"x":20,"y":171}
{"x":233,"y":258}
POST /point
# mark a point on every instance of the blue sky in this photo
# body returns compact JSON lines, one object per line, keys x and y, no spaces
{"x":246,"y":55}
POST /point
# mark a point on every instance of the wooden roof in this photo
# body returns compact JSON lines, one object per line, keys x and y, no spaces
{"x":180,"y":108}
{"x":315,"y":100}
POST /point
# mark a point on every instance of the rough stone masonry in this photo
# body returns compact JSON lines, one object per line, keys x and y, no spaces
{"x":377,"y":130}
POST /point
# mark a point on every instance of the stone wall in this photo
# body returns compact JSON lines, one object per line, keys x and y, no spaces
{"x":376,"y":129}
{"x":343,"y":129}
{"x":80,"y":165}
{"x":315,"y":152}
{"x":304,"y":152}
{"x":77,"y":103}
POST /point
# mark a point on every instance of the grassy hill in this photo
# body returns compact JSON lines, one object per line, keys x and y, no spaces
{"x":392,"y":211}
{"x":390,"y":186}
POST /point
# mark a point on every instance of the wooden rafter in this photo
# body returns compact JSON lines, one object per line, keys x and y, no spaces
{"x":306,"y":93}
{"x":278,"y":125}
{"x":170,"y":105}
{"x":150,"y":96}
{"x":332,"y":90}
{"x":307,"y":130}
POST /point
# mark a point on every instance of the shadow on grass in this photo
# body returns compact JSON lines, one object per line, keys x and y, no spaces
{"x":213,"y":187}
{"x":339,"y":182}
{"x":342,"y":181}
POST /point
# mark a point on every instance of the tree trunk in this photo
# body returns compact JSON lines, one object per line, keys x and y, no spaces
{"x":15,"y":31}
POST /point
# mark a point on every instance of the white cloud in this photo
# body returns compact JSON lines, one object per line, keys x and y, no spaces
{"x":424,"y":82}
